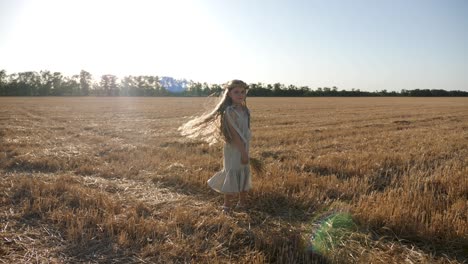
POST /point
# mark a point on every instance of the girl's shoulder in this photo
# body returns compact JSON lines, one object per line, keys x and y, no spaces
{"x":229,"y":109}
{"x":237,"y":112}
{"x":240,"y":108}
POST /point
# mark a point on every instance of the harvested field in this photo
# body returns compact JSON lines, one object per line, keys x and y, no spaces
{"x":110,"y":180}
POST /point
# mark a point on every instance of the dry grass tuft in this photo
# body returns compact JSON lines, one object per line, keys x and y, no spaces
{"x":257,"y":166}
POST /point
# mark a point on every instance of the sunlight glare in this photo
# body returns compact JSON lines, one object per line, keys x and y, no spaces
{"x":173,"y":38}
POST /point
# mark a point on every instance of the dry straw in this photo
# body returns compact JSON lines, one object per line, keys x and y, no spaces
{"x":397,"y":164}
{"x":257,"y":165}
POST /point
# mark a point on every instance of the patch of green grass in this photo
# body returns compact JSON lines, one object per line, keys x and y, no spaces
{"x":333,"y":229}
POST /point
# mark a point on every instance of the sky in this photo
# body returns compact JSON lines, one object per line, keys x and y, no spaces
{"x":370,"y":45}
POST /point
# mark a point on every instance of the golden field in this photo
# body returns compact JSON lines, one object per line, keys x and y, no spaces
{"x":110,"y":180}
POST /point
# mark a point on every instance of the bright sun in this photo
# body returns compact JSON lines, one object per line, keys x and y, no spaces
{"x":175,"y":38}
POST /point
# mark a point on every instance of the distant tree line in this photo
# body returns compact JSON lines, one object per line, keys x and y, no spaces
{"x":46,"y":83}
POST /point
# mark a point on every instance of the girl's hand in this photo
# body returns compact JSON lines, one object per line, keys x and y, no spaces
{"x":244,"y":158}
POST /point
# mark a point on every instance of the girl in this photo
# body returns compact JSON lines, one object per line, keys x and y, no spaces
{"x":233,"y":125}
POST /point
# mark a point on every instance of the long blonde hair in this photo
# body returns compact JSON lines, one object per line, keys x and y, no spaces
{"x":211,"y":126}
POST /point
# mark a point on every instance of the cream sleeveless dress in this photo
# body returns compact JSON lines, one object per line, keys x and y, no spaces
{"x":235,"y":176}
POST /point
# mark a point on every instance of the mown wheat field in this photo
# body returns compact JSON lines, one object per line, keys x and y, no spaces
{"x":110,"y":180}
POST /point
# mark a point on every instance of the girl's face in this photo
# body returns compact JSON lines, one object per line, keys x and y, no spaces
{"x":237,"y":95}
